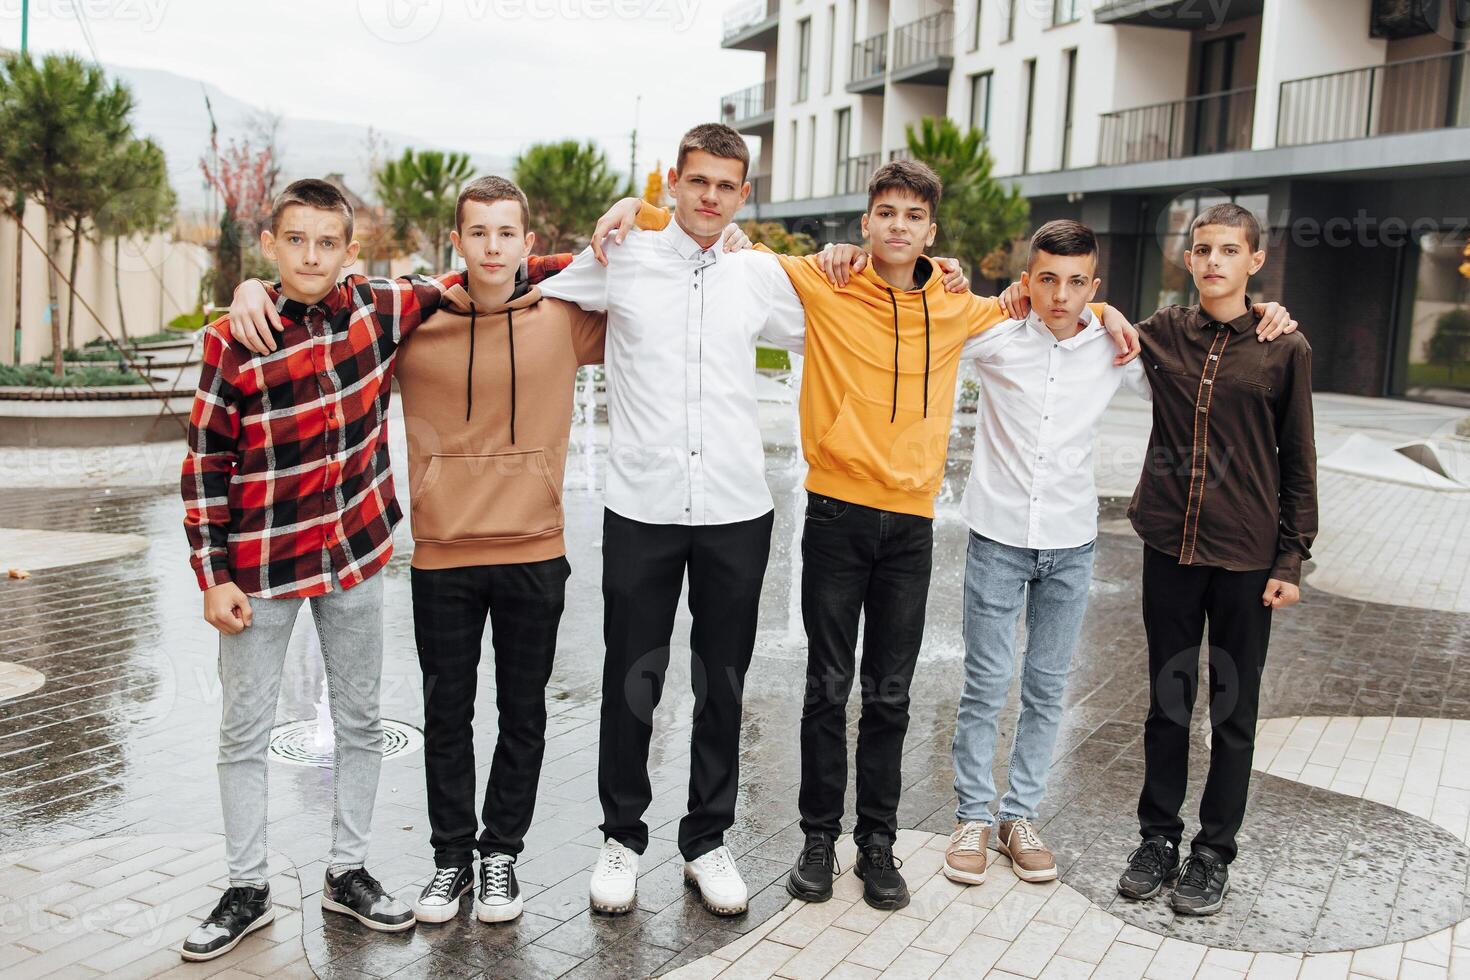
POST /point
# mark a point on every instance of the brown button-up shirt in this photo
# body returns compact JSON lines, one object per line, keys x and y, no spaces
{"x":1230,"y":479}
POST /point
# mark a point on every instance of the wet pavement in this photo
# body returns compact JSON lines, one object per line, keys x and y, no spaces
{"x":119,"y":742}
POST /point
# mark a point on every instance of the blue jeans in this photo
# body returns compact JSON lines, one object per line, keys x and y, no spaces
{"x":999,"y":580}
{"x":349,"y":623}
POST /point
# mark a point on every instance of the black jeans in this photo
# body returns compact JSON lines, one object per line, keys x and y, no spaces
{"x":642,"y":577}
{"x":1177,"y":602}
{"x":450,"y":605}
{"x":858,"y":559}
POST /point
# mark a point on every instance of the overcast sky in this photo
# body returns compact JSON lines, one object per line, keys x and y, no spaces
{"x":482,"y":75}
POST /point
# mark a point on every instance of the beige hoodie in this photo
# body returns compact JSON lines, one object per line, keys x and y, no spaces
{"x":487,"y":406}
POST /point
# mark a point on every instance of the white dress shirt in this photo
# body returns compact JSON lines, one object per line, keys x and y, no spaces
{"x":682,"y":322}
{"x":1031,"y":482}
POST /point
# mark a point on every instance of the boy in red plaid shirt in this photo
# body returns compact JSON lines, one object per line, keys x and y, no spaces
{"x":288,"y":496}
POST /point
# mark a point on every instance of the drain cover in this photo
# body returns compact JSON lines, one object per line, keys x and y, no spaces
{"x":296,"y":743}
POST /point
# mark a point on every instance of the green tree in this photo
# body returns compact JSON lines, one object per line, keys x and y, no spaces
{"x":419,"y":189}
{"x":569,"y":185}
{"x":139,"y":202}
{"x":62,"y":122}
{"x":774,"y":236}
{"x":978,"y":214}
{"x":1450,"y":344}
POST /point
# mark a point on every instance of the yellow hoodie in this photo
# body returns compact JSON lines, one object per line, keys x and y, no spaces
{"x":877,"y":389}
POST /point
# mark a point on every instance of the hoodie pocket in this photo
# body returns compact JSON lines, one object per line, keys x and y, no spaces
{"x":903,"y":451}
{"x":485,"y":497}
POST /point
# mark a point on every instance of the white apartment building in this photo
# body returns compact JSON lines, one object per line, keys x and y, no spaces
{"x":1131,"y":114}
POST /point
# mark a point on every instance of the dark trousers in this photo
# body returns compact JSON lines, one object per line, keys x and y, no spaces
{"x":855,"y":560}
{"x":1178,"y":601}
{"x":642,"y":577}
{"x":524,"y":605}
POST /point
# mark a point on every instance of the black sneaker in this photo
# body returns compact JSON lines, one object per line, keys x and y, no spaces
{"x":1204,"y":882}
{"x":811,"y":879}
{"x":1151,"y":864}
{"x":357,"y":894}
{"x":883,"y":886}
{"x":439,"y":901}
{"x":239,"y":912}
{"x":499,"y":897}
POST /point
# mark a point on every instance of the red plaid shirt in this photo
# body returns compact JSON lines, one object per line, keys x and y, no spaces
{"x":287,"y":477}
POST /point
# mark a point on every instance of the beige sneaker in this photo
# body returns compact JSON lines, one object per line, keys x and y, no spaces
{"x":1030,"y":859}
{"x":964,"y":858}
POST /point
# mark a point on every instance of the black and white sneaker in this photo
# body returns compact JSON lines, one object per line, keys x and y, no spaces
{"x":439,"y":901}
{"x":357,"y":894}
{"x":240,"y":912}
{"x":1204,"y":881}
{"x":499,"y":896}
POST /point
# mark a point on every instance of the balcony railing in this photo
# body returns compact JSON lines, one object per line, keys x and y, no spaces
{"x":1398,"y":97}
{"x":923,"y":40}
{"x":869,"y":59}
{"x":853,"y":172}
{"x":1204,"y":124}
{"x":748,"y":103}
{"x":749,"y":14}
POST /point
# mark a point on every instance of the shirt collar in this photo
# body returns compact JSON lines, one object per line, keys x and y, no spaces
{"x":1246,"y":321}
{"x":1090,"y":327}
{"x":688,"y":248}
{"x":329,"y":306}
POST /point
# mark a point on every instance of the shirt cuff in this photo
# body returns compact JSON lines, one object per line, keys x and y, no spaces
{"x":1288,"y":568}
{"x":212,"y":570}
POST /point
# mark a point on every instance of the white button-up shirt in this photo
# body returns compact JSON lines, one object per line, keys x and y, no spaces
{"x":1031,"y":482}
{"x":682,"y":322}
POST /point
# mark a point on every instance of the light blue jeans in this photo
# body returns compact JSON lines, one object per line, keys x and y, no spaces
{"x":349,"y":623}
{"x":1052,"y":586}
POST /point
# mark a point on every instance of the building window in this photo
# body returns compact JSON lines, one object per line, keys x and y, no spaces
{"x":795,"y":154}
{"x":831,"y":46}
{"x":975,"y":28}
{"x":1434,"y":358}
{"x":851,"y":33}
{"x":1068,"y":104}
{"x":980,"y":102}
{"x":1009,"y":34}
{"x":842,"y":136}
{"x":803,"y":58}
{"x":1029,"y":77}
{"x":811,"y":157}
{"x":1065,"y":12}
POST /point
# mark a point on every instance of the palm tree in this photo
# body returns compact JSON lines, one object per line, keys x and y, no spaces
{"x":978,"y":214}
{"x":571,"y":185}
{"x":420,"y":189}
{"x":139,"y":202}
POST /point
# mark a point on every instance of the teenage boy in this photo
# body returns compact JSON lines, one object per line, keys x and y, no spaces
{"x":288,"y":496}
{"x":1227,"y":510}
{"x":882,"y":354}
{"x":1031,"y":504}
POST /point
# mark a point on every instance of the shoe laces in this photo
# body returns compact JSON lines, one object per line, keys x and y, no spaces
{"x":1026,"y":834}
{"x":358,"y":881}
{"x":1151,"y":856}
{"x":718,"y":861}
{"x":817,"y":852}
{"x":495,"y":874}
{"x":615,"y":859}
{"x":968,"y":837}
{"x":880,"y":856}
{"x":443,"y":883}
{"x":1196,"y":871}
{"x":233,"y":901}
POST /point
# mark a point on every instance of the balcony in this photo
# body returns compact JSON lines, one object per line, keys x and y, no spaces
{"x":853,"y":173}
{"x":869,"y":65}
{"x":1178,"y":14}
{"x":750,"y":110}
{"x":1399,"y":97}
{"x":1197,"y":126}
{"x":751,"y":26}
{"x":923,"y":51}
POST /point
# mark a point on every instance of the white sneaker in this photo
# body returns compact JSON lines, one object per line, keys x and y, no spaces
{"x":439,"y":901}
{"x":614,"y":887}
{"x":721,"y":888}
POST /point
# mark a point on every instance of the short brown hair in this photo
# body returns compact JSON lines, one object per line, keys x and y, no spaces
{"x":906,"y":175}
{"x":1063,"y":237}
{"x":488,"y":190}
{"x":716,"y":139}
{"x":1230,"y":215}
{"x":312,"y":193}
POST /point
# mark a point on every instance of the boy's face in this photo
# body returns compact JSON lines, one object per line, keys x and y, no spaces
{"x":899,"y":227}
{"x":1221,"y":261}
{"x":707,"y":193}
{"x":1061,"y":286}
{"x":492,"y":241}
{"x":310,"y":249}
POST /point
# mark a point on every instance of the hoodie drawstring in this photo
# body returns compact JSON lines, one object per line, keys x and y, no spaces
{"x":923,"y":298}
{"x":510,"y":328}
{"x":469,"y":381}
